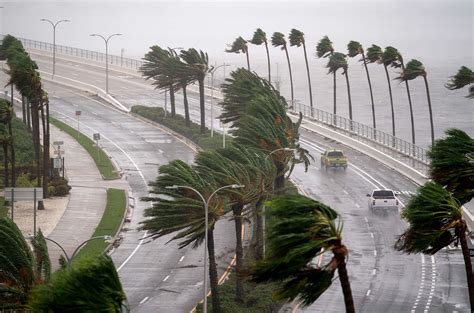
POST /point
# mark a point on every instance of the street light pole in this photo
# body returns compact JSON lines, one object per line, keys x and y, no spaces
{"x":212,"y":96}
{"x":206,"y":210}
{"x":106,"y":58}
{"x":54,"y":39}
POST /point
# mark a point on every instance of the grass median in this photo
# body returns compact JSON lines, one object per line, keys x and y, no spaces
{"x":105,"y":166}
{"x":109,"y":224}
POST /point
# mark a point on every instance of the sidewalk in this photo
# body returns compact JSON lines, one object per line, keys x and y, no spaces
{"x":87,"y":199}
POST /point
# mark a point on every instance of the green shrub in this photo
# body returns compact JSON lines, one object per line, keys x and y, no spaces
{"x":58,"y":187}
{"x":23,"y":180}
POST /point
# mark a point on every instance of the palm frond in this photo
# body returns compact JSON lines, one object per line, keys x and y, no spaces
{"x":238,"y":46}
{"x":463,"y":77}
{"x":374,"y":54}
{"x":296,"y":38}
{"x":354,"y":48}
{"x":336,"y":61}
{"x":324,"y":47}
{"x":278,"y":40}
{"x":259,"y":37}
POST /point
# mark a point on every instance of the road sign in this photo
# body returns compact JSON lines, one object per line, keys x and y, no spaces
{"x":22,"y":193}
{"x":57,"y":163}
{"x":96,"y":136}
{"x":58,"y":143}
{"x":59,"y":152}
{"x":78,"y":113}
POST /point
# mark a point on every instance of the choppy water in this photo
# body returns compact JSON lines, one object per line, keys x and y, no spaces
{"x":438,"y":32}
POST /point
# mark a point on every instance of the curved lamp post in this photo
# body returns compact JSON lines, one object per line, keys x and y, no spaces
{"x":212,"y":95}
{"x":70,"y":259}
{"x":106,"y":58}
{"x":54,"y":39}
{"x":206,"y":209}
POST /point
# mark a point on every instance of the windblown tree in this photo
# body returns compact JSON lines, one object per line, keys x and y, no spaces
{"x":6,"y":138}
{"x":297,"y":39}
{"x":436,"y":220}
{"x":260,"y":37}
{"x":300,"y":230}
{"x":324,"y":49}
{"x":389,"y":58}
{"x":338,"y":61}
{"x":181,"y":212}
{"x":249,"y":168}
{"x":410,"y":105}
{"x":278,"y":40}
{"x":20,"y":268}
{"x":354,"y":48}
{"x":198,"y":66}
{"x":415,"y":69}
{"x":91,"y":285}
{"x":240,"y":46}
{"x":464,"y":77}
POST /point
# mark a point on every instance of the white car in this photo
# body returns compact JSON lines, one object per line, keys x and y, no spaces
{"x":383,"y":200}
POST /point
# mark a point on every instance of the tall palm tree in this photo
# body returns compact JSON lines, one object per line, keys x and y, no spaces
{"x":415,"y":69}
{"x":198,"y":66}
{"x":238,"y":46}
{"x":181,"y":211}
{"x":354,"y":48}
{"x":464,"y":77}
{"x":410,"y":106}
{"x":336,"y":61}
{"x":300,"y":230}
{"x":278,"y":40}
{"x":388,"y":58}
{"x":297,"y":39}
{"x":242,"y":166}
{"x":324,"y":49}
{"x":451,"y":164}
{"x":77,"y":289}
{"x":259,"y":37}
{"x":435,"y":220}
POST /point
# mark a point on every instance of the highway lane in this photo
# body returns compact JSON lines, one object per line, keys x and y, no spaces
{"x":398,"y":281}
{"x":156,"y":276}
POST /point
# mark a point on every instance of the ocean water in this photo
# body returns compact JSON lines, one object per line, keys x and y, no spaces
{"x":439,"y":33}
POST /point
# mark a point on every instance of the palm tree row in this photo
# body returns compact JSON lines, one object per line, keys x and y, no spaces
{"x":25,"y":77}
{"x":389,"y":57}
{"x":172,"y":72}
{"x":261,"y":127}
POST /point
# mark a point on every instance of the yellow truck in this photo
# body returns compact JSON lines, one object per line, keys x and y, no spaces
{"x":333,"y":158}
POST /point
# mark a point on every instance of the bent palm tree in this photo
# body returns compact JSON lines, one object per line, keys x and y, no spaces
{"x":259,"y":37}
{"x":198,"y":66}
{"x":464,"y":77}
{"x":413,"y":70}
{"x":297,"y":39}
{"x":300,"y":230}
{"x":238,"y":46}
{"x":452,"y":164}
{"x":410,"y":106}
{"x":354,"y":48}
{"x":324,"y":49}
{"x":389,"y":56}
{"x":435,"y":220}
{"x":336,"y":61}
{"x":181,"y":212}
{"x":278,"y":40}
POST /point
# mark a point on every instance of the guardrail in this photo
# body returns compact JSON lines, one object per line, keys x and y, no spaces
{"x":363,"y":131}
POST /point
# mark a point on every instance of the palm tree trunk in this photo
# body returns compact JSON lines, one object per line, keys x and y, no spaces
{"x":186,"y":106}
{"x":28,"y":114}
{"x":280,"y":179}
{"x":172,"y":102}
{"x":36,"y":140}
{"x":429,"y":108}
{"x":248,"y":60}
{"x":5,"y":164}
{"x":346,"y":287}
{"x":23,"y":109}
{"x":391,"y":101}
{"x":46,"y":160}
{"x":370,"y":89}
{"x":12,"y":149}
{"x":291,"y":76}
{"x":461,"y":232}
{"x":309,"y":79}
{"x":349,"y":97}
{"x":411,"y":109}
{"x":239,"y":253}
{"x":201,"y":105}
{"x":334,"y":93}
{"x":260,"y":232}
{"x":216,"y":303}
{"x":268,"y":61}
